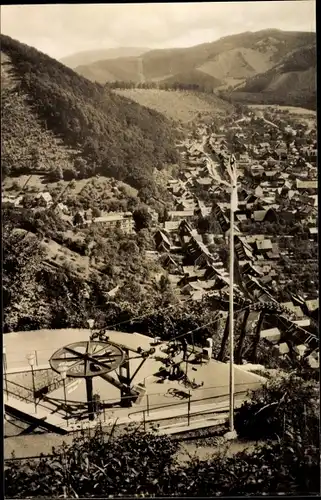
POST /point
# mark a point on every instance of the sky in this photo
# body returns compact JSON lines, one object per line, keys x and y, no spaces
{"x":63,"y":29}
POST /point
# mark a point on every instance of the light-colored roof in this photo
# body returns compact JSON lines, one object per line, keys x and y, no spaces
{"x":273,"y":334}
{"x":171,"y":225}
{"x":204,"y":181}
{"x":181,"y":213}
{"x":264,"y":245}
{"x":312,"y":305}
{"x":112,"y":217}
{"x":259,"y":215}
{"x":45,"y":195}
{"x":306,"y":184}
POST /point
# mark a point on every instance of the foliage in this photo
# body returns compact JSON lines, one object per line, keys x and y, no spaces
{"x":142,"y":218}
{"x":279,"y":405}
{"x":125,"y":465}
{"x":145,"y":464}
{"x":117,"y":136}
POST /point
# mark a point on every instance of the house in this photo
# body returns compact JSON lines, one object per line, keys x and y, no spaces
{"x":180,"y":214}
{"x":272,"y":334}
{"x":171,"y":225}
{"x":249,"y":268}
{"x":194,"y":290}
{"x":154,"y":215}
{"x":243,"y":249}
{"x":44,"y":198}
{"x":170,"y":263}
{"x":162,"y":242}
{"x":265,"y":215}
{"x":184,"y":228}
{"x":258,"y":191}
{"x":314,"y":360}
{"x":314,"y":200}
{"x":257,"y":170}
{"x":241,"y":217}
{"x":12,"y":200}
{"x":313,"y":233}
{"x":251,"y":200}
{"x":264,"y":246}
{"x":121,"y":220}
{"x":61,"y":207}
{"x":204,"y":181}
{"x":295,"y":309}
{"x":306,"y":184}
{"x":193,"y":272}
{"x":282,"y":349}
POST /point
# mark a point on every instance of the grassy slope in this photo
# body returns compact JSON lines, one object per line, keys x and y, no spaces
{"x":178,"y":105}
{"x":115,"y":135}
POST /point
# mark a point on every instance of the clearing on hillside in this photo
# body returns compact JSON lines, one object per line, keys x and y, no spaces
{"x":181,"y":106}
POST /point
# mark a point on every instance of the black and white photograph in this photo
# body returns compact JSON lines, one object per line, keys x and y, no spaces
{"x":160,"y":277}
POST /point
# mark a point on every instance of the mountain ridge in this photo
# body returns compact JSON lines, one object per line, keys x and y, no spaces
{"x":91,"y":56}
{"x":248,"y":49}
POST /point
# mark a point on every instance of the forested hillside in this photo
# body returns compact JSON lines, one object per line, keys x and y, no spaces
{"x":107,"y":133}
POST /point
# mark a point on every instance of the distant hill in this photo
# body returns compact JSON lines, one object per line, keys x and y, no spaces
{"x":292,"y":81}
{"x":230,"y":60}
{"x":124,"y":69}
{"x":48,"y":110}
{"x":91,"y":56}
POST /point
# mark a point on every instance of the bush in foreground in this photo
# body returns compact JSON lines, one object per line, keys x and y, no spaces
{"x":144,"y":464}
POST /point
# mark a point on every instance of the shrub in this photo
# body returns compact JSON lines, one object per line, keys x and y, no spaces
{"x":277,"y":406}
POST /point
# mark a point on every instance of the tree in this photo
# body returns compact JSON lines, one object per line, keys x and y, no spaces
{"x":278,"y":406}
{"x":57,"y":173}
{"x":96,"y":212}
{"x":78,"y":219}
{"x":142,"y":218}
{"x":22,"y":259}
{"x":81,"y":167}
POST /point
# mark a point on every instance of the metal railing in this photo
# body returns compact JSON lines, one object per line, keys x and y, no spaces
{"x":79,"y":409}
{"x":29,"y":399}
{"x":188,"y":414}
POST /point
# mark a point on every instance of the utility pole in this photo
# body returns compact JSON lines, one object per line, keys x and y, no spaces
{"x":233,"y":207}
{"x":232,"y":172}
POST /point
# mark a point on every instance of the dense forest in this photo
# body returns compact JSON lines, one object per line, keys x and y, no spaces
{"x":109,"y":134}
{"x":170,"y":84}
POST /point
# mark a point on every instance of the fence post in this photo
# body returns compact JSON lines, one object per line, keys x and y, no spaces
{"x":144,"y":420}
{"x":104,"y":413}
{"x":147,"y":400}
{"x":188,"y":408}
{"x":36,"y":355}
